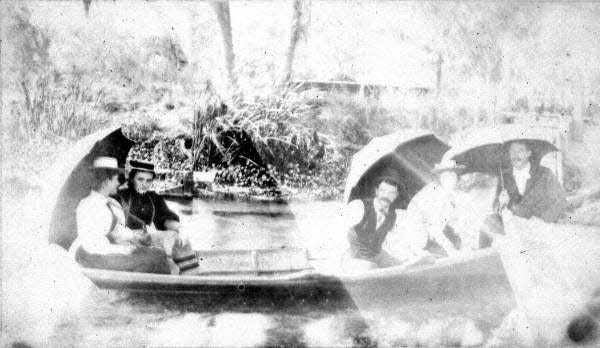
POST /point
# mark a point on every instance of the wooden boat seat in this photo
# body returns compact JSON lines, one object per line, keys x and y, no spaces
{"x":262,"y":261}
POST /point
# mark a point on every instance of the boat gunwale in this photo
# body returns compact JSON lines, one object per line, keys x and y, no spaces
{"x":308,"y":277}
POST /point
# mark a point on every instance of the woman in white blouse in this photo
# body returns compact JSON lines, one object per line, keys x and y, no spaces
{"x":100,"y":226}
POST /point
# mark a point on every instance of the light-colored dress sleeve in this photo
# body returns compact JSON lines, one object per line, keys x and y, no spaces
{"x":353,"y":213}
{"x":121,"y":234}
{"x":415,"y":227}
{"x":93,"y":225}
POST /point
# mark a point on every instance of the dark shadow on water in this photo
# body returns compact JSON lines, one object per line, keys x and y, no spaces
{"x":186,"y":211}
{"x":20,"y":345}
{"x":289,"y":311}
{"x":254,"y":300}
{"x":289,"y":332}
{"x":280,"y":215}
{"x":583,"y":329}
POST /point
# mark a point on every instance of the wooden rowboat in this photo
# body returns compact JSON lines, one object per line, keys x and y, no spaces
{"x":226,"y":270}
{"x":286,"y":270}
{"x":292,"y":271}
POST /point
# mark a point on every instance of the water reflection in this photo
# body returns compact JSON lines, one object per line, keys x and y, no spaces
{"x":213,"y":320}
{"x":205,"y":330}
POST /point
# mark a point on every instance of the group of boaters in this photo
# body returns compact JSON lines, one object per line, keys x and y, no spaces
{"x":529,"y":190}
{"x":130,"y":229}
{"x":133,"y":229}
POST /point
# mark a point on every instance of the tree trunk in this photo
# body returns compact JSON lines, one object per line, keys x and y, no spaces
{"x":8,"y":120}
{"x":438,"y":74}
{"x":439,"y":107}
{"x":86,"y":7}
{"x":577,"y":123}
{"x":494,"y":79}
{"x":492,"y":102}
{"x":297,"y":29}
{"x":224,"y":18}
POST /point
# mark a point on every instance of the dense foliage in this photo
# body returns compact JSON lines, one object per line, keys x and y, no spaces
{"x":63,"y":85}
{"x":288,"y":132}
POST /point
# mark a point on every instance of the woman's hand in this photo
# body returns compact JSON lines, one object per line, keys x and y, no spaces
{"x":503,"y":199}
{"x":178,"y":241}
{"x":141,"y":238}
{"x":173,"y":225}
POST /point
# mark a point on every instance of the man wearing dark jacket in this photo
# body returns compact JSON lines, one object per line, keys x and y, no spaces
{"x":369,"y":222}
{"x":531,"y":189}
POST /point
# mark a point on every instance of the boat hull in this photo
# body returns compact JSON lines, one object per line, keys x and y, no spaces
{"x":132,"y":281}
{"x":450,"y":285}
{"x":446,"y":278}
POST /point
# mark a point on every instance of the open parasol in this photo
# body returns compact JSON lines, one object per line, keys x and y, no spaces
{"x":75,"y":167}
{"x":407,"y":155}
{"x":485,"y":149}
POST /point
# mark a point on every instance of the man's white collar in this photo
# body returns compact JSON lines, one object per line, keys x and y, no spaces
{"x":378,"y":207}
{"x":523,"y":172}
{"x":521,"y":177}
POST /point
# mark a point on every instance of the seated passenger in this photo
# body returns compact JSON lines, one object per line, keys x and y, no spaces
{"x":146,"y":210}
{"x":368,"y":222}
{"x":530,"y":189}
{"x":431,"y":214}
{"x":477,"y":219}
{"x":100,"y":220}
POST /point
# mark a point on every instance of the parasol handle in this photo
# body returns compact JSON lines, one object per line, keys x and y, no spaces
{"x":498,"y":208}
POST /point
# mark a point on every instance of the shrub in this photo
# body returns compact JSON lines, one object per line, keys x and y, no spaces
{"x":573,"y":177}
{"x":274,"y":124}
{"x":47,"y":102}
{"x":324,"y":182}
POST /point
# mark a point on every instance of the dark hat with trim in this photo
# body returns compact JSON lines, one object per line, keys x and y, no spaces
{"x":141,"y":166}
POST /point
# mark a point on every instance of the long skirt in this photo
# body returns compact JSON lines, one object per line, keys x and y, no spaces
{"x":183,"y":255}
{"x":141,"y":259}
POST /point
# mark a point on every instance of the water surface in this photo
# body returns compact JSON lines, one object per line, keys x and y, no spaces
{"x":88,"y":317}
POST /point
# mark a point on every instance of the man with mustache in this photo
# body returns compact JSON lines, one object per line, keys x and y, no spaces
{"x":370,"y":221}
{"x":530,"y":189}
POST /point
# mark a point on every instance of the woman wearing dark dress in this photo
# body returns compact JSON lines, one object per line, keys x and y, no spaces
{"x":146,"y":210}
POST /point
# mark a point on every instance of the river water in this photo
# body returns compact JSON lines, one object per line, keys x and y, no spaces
{"x":48,"y":304}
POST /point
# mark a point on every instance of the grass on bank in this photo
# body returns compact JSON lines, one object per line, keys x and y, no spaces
{"x":306,"y":138}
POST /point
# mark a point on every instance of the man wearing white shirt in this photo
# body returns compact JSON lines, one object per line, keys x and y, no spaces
{"x":530,"y":189}
{"x":100,"y":225}
{"x":521,"y":176}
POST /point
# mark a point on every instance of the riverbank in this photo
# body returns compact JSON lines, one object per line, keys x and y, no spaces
{"x":25,"y":163}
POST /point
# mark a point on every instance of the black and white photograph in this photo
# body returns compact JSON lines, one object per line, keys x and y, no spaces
{"x":299,"y":173}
